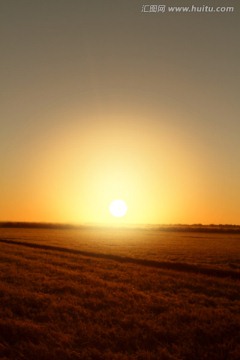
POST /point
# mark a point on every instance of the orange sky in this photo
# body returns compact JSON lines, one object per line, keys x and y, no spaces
{"x":101,"y":101}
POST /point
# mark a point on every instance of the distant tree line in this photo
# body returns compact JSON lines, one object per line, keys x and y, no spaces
{"x":35,"y":225}
{"x":211,"y":228}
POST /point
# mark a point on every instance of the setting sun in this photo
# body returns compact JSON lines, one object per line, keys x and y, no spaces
{"x":118,"y":208}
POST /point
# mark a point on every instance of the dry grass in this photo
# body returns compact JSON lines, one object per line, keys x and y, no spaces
{"x":207,"y":249}
{"x":59,"y":305}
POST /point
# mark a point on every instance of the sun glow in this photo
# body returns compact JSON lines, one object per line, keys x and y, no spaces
{"x":98,"y":180}
{"x":118,"y":208}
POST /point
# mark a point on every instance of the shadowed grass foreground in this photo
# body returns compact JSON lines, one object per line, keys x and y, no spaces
{"x":59,"y":305}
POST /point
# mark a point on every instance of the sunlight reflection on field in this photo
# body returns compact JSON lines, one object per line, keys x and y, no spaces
{"x":221,"y":250}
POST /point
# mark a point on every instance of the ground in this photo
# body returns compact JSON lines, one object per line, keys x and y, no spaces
{"x":118,"y":295}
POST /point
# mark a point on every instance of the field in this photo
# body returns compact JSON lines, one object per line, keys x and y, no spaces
{"x":119,"y":294}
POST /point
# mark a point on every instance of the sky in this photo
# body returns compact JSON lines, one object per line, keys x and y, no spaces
{"x":101,"y":100}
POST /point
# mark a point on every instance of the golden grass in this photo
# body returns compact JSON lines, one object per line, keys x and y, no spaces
{"x":59,"y":305}
{"x":218,"y":250}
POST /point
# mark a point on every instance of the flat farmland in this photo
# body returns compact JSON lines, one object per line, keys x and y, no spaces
{"x":119,"y":294}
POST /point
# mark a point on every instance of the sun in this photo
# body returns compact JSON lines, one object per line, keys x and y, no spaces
{"x":118,"y":208}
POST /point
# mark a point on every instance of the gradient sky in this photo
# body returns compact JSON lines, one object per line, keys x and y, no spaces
{"x":101,"y":101}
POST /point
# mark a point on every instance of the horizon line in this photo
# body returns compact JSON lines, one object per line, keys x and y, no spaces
{"x":166,"y":227}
